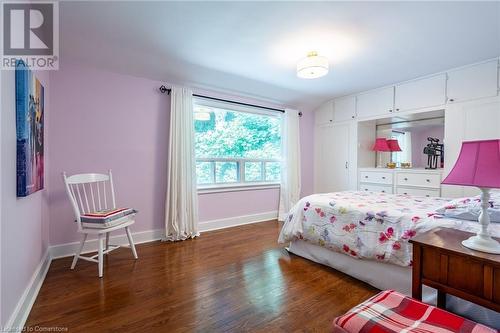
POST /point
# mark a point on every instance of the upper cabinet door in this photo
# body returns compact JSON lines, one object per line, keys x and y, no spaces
{"x":344,"y":108}
{"x":473,"y":82}
{"x":324,"y":114}
{"x":375,"y":102}
{"x":421,"y":93}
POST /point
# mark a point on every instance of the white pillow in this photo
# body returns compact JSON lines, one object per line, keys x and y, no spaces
{"x":470,"y":208}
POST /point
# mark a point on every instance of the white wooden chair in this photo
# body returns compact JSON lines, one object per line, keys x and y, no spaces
{"x":92,"y":192}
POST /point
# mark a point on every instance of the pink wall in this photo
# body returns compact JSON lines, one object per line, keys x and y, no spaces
{"x":102,"y":120}
{"x":24,"y":226}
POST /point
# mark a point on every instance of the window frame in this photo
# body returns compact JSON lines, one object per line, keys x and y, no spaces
{"x":241,"y":184}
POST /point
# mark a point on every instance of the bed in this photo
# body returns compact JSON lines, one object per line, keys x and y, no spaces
{"x":366,"y":234}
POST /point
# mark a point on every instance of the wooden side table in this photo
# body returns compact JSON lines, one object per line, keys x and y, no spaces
{"x":440,"y":261}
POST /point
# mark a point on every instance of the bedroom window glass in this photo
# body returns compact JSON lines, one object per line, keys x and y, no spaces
{"x":236,"y":146}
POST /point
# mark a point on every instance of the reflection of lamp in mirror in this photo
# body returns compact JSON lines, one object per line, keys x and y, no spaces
{"x":393,"y":146}
{"x":380,"y":146}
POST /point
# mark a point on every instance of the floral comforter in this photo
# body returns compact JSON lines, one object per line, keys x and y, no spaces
{"x":365,"y":225}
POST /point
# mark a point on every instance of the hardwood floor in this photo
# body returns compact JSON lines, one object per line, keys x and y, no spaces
{"x":231,"y":280}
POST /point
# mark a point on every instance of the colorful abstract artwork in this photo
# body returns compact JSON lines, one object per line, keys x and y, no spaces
{"x":29,"y":129}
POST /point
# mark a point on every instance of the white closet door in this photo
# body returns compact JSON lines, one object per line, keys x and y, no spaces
{"x":324,"y":114}
{"x":375,"y":102}
{"x":332,"y":158}
{"x":421,"y":93}
{"x":473,"y":82}
{"x":344,"y":108}
{"x":475,"y":120}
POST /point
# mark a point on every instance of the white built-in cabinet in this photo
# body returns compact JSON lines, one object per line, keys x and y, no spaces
{"x":422,"y":93}
{"x":473,"y":82}
{"x":378,"y":102}
{"x":324,"y":114}
{"x":332,"y":160}
{"x":474,"y":120}
{"x":469,"y":96}
{"x":344,"y":108}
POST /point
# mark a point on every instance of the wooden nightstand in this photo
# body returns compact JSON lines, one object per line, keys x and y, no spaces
{"x":441,"y":262}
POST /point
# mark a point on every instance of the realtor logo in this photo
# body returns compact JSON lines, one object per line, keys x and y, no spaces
{"x":30,"y":32}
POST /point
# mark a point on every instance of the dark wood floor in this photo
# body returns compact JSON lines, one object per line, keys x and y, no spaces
{"x":231,"y":280}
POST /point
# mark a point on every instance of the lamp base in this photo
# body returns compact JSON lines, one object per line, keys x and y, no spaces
{"x":483,"y":244}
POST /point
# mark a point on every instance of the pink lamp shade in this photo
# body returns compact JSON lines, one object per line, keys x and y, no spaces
{"x":477,"y":165}
{"x":381,"y":145}
{"x":393,"y":145}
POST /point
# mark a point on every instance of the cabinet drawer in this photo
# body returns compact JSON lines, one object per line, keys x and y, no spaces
{"x":418,"y":179}
{"x":375,"y":177}
{"x":375,"y":188}
{"x":418,"y":192}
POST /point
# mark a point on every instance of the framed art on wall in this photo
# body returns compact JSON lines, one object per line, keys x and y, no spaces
{"x":29,"y":131}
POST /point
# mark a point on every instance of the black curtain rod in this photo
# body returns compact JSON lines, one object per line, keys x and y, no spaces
{"x":164,"y":89}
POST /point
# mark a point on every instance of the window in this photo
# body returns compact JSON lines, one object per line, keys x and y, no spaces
{"x":236,"y":146}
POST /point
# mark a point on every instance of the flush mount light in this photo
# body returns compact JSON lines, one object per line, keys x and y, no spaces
{"x":312,"y":66}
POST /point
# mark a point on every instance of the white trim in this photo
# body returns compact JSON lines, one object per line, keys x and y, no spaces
{"x":236,"y":221}
{"x":236,"y":187}
{"x":69,"y":249}
{"x":18,"y":317}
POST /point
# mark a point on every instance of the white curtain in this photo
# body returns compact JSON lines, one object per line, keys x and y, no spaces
{"x":181,"y":207}
{"x":290,"y":166}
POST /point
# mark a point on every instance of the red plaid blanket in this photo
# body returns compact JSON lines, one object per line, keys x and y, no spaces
{"x":390,"y":311}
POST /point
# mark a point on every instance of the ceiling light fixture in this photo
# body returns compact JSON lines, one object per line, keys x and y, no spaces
{"x":312,"y":66}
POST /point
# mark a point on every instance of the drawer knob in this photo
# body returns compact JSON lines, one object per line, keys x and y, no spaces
{"x":451,"y":100}
{"x":427,"y":195}
{"x":390,"y":110}
{"x":366,"y":176}
{"x":406,"y":178}
{"x":383,"y":177}
{"x":366,"y":189}
{"x":383,"y":191}
{"x":405,"y":193}
{"x":428,"y":180}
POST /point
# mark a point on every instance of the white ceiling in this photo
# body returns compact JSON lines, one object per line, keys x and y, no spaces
{"x":252,"y":47}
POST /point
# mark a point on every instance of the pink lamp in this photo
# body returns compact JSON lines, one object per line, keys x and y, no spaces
{"x":393,"y":145}
{"x":479,"y":165}
{"x":380,"y":146}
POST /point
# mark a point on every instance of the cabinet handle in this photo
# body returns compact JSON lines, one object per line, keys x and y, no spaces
{"x":366,"y":176}
{"x":427,"y":195}
{"x":346,"y":165}
{"x":406,"y":179}
{"x":397,"y":109}
{"x":428,"y":180}
{"x":383,"y":177}
{"x":383,"y":191}
{"x":352,"y":117}
{"x":390,"y":110}
{"x":451,"y":100}
{"x":366,"y":189}
{"x":405,"y":193}
{"x":331,"y":120}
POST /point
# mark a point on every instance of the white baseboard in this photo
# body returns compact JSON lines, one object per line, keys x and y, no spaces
{"x":18,"y":318}
{"x":236,"y":221}
{"x":69,"y":249}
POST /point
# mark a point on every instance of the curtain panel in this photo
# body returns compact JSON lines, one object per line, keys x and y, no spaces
{"x":181,"y":207}
{"x":290,"y":166}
